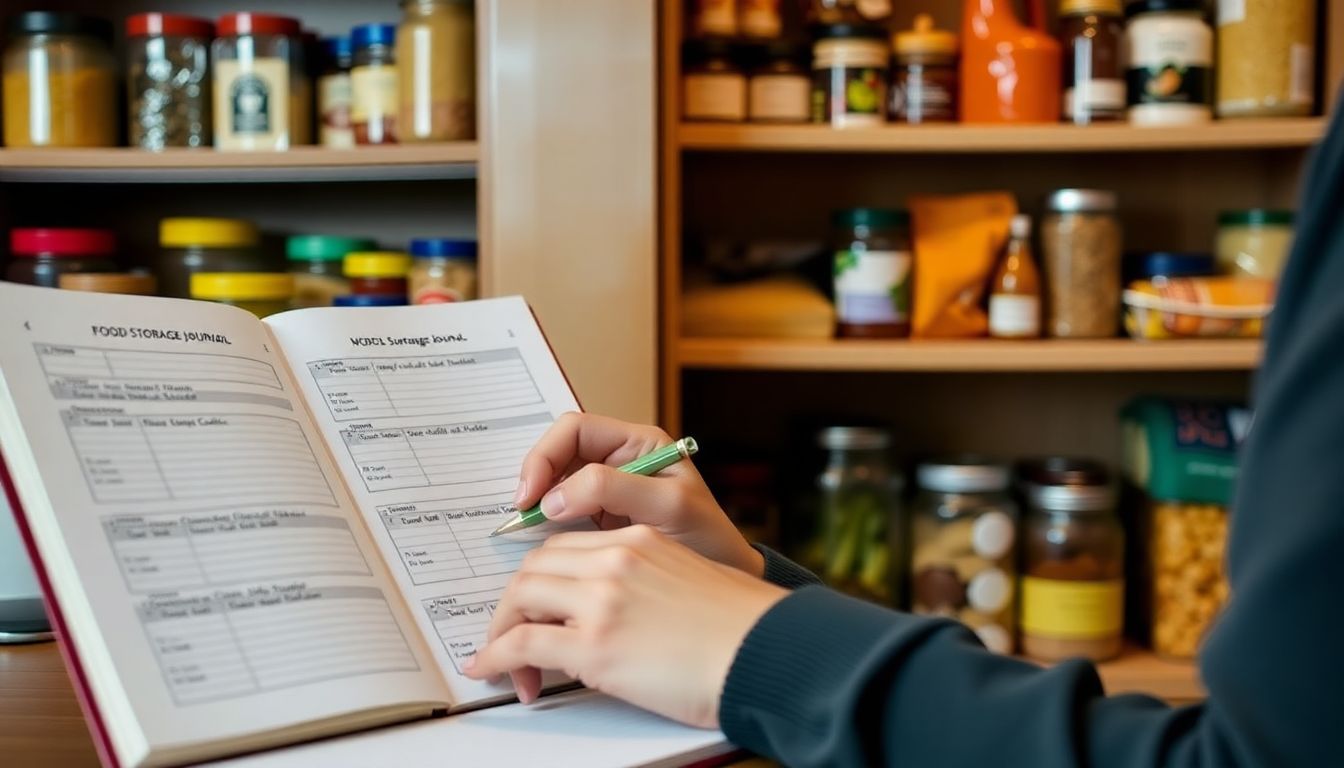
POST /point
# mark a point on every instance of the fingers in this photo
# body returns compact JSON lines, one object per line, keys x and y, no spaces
{"x":536,"y":597}
{"x":636,"y":536}
{"x":582,"y":438}
{"x":601,"y":488}
{"x":541,"y":646}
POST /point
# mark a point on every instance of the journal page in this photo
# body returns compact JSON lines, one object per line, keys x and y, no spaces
{"x":217,"y":581}
{"x":429,"y":412}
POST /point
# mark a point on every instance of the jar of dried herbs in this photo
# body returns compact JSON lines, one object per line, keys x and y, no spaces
{"x":1081,"y":253}
{"x":168,"y":80}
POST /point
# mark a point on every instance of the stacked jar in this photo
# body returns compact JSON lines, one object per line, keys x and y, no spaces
{"x":317,"y":263}
{"x":261,"y":293}
{"x":59,"y":81}
{"x":262,"y":92}
{"x":377,"y":273}
{"x":191,"y":245}
{"x":442,"y":271}
{"x":168,"y":80}
{"x":42,"y":256}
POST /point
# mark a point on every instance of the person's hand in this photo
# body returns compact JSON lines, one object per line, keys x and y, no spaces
{"x":581,"y":453}
{"x":630,"y":613}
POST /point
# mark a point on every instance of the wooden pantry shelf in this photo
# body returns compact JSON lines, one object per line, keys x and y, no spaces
{"x":970,"y":355}
{"x":1139,"y":670}
{"x":408,"y":162}
{"x":1287,"y":133}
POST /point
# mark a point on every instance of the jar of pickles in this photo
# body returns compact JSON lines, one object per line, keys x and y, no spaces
{"x":168,"y":80}
{"x":963,"y":532}
{"x":59,"y":81}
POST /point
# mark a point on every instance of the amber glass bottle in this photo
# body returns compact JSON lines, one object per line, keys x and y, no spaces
{"x":1015,"y":293}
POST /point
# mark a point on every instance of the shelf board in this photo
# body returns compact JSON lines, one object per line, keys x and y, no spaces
{"x":408,"y":162}
{"x":970,"y":355}
{"x":1285,"y":133}
{"x":1139,"y":670}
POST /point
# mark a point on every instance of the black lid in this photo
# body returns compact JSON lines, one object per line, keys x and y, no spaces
{"x":58,"y":23}
{"x":777,"y":50}
{"x":1135,"y":7}
{"x":1063,"y":470}
{"x":829,"y":31}
{"x":702,"y":48}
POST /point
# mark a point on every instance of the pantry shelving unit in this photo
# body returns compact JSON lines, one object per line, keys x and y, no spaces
{"x":738,"y":182}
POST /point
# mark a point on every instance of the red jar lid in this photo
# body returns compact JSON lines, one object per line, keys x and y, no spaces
{"x":62,"y":242}
{"x":157,"y":24}
{"x":248,"y":23}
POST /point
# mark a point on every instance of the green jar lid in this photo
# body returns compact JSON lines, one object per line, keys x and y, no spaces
{"x":873,"y":218}
{"x":1255,"y":217}
{"x":324,"y":247}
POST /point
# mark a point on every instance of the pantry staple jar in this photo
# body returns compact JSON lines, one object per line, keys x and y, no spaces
{"x":58,"y":81}
{"x":1170,"y":62}
{"x":42,"y":255}
{"x":436,"y":55}
{"x":262,"y":92}
{"x":1081,"y":258}
{"x":261,"y":293}
{"x":168,"y":80}
{"x":1266,"y":58}
{"x":190,"y":245}
{"x":850,"y":65}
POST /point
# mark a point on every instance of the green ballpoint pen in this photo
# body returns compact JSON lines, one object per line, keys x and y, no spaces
{"x":649,"y":464}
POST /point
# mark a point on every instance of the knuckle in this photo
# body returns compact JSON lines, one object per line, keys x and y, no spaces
{"x":568,"y":420}
{"x":622,"y":561}
{"x":609,"y":597}
{"x":593,"y":479}
{"x":643,"y":534}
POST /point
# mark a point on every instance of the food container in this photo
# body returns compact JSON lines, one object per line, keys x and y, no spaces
{"x":437,"y":44}
{"x":1180,"y":459}
{"x":41,"y":256}
{"x":168,"y":80}
{"x":872,"y":272}
{"x":262,"y":92}
{"x":963,"y":537}
{"x":1080,"y":255}
{"x":714,"y":86}
{"x":127,"y":283}
{"x":1266,"y":58}
{"x":1170,"y":62}
{"x":317,"y":263}
{"x":190,"y":245}
{"x":333,"y":94}
{"x":1166,"y":308}
{"x":442,"y":270}
{"x":261,"y":293}
{"x":59,"y":81}
{"x":1073,"y":581}
{"x":849,"y":75}
{"x":924,"y":80}
{"x":370,"y":300}
{"x":373,"y":84}
{"x":377,"y":272}
{"x":1092,"y":33}
{"x":780,"y":87}
{"x":1254,"y":242}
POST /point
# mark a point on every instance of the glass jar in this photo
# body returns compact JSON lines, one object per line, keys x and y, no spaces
{"x":1073,"y":581}
{"x":261,"y":293}
{"x":1092,"y":33}
{"x":334,"y":95}
{"x":872,"y":272}
{"x":1081,"y":249}
{"x":760,"y":18}
{"x":924,"y":81}
{"x":963,"y":528}
{"x":442,"y":270}
{"x":857,"y":548}
{"x":190,"y":245}
{"x":849,"y":75}
{"x":168,"y":80}
{"x":714,"y":18}
{"x":377,"y":272}
{"x":436,"y":51}
{"x":41,"y":256}
{"x":713,"y":85}
{"x":125,"y":283}
{"x":262,"y":95}
{"x":779,"y":90}
{"x":371,"y":300}
{"x":1254,"y":242}
{"x":373,"y":84}
{"x":1170,"y":62}
{"x":317,"y":263}
{"x":59,"y":81}
{"x":1266,"y":58}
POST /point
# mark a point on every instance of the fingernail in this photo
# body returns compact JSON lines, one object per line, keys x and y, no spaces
{"x":520,"y":494}
{"x":553,"y":503}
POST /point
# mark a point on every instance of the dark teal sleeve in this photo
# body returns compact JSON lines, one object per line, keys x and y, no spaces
{"x":783,"y":572}
{"x":826,"y":680}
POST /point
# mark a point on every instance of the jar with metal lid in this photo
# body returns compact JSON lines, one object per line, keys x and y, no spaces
{"x":849,"y":75}
{"x":317,"y":263}
{"x":924,"y":80}
{"x":443,"y":270}
{"x":261,"y":293}
{"x":1092,"y":33}
{"x":1073,"y":580}
{"x":42,"y":255}
{"x":377,"y":272}
{"x":1254,"y":242}
{"x":963,"y":532}
{"x":780,"y":87}
{"x":190,"y":245}
{"x":59,"y":81}
{"x":872,"y":272}
{"x":373,"y":84}
{"x":333,"y":94}
{"x":436,"y":53}
{"x":1081,"y":250}
{"x":1266,"y":58}
{"x":1170,"y":62}
{"x":370,"y":300}
{"x":713,"y":85}
{"x":125,"y":283}
{"x":262,"y":94}
{"x":168,"y":80}
{"x":858,"y":543}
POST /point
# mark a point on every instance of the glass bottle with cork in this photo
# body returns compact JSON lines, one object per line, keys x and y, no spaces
{"x":1015,"y":291}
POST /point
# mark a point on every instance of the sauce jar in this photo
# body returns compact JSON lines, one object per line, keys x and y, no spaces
{"x":1254,"y":242}
{"x":442,"y":270}
{"x":1073,"y":583}
{"x":872,"y":272}
{"x":1266,"y":58}
{"x":760,"y":18}
{"x":370,"y":300}
{"x":41,"y":256}
{"x":333,"y":94}
{"x":1080,"y":255}
{"x":261,"y":88}
{"x":373,"y":84}
{"x":436,"y":48}
{"x":714,"y":86}
{"x":924,"y":81}
{"x":780,"y":89}
{"x":1092,"y":34}
{"x":127,"y":283}
{"x":377,"y":272}
{"x":849,"y":75}
{"x":190,"y":245}
{"x":59,"y":81}
{"x":963,"y":532}
{"x":317,"y":263}
{"x":168,"y":79}
{"x":714,"y":18}
{"x":261,"y":293}
{"x":1170,"y":62}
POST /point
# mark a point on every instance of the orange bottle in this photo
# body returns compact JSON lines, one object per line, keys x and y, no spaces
{"x":1010,"y":73}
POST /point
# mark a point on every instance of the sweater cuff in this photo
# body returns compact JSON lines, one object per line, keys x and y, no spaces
{"x":783,"y":572}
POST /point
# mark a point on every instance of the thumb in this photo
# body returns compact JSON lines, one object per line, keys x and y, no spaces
{"x":601,"y":488}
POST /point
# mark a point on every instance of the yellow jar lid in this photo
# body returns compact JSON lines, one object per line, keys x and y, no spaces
{"x":242,"y":286}
{"x":207,"y":233}
{"x":924,"y":38}
{"x":377,"y":264}
{"x":1074,"y":7}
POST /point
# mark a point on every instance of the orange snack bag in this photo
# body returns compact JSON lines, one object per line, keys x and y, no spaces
{"x":957,"y":240}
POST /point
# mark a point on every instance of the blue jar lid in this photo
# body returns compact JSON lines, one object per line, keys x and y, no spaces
{"x":442,"y":247}
{"x":366,"y":35}
{"x":1147,"y":265}
{"x":337,"y":48}
{"x":370,"y":300}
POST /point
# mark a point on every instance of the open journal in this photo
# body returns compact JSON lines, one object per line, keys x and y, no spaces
{"x":255,"y":533}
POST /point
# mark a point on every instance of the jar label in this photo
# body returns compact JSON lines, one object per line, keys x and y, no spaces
{"x":373,"y":94}
{"x":1170,"y":84}
{"x":1011,"y":315}
{"x":333,"y":107}
{"x":436,"y":294}
{"x":1072,"y":610}
{"x":872,"y":287}
{"x":849,"y":95}
{"x":715,"y":97}
{"x":779,"y":97}
{"x":252,"y":103}
{"x":918,"y":98}
{"x":1095,"y":97}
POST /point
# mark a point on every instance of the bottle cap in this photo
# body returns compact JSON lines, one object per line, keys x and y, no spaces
{"x":168,"y":25}
{"x":366,"y":35}
{"x":924,"y":38}
{"x":242,"y":286}
{"x":324,"y":247}
{"x":377,"y":264}
{"x":443,"y":247}
{"x":1255,"y":217}
{"x":58,"y":23}
{"x":207,"y":233}
{"x":62,"y":242}
{"x":370,"y":300}
{"x":247,"y":23}
{"x":1078,"y":7}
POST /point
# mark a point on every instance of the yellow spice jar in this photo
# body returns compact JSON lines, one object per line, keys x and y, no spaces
{"x":261,"y":293}
{"x":436,"y":56}
{"x":59,"y":81}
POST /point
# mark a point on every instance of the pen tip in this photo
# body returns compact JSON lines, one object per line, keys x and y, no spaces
{"x":493,"y":533}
